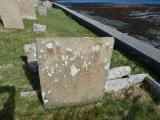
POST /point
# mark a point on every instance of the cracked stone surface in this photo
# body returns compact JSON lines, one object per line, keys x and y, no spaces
{"x":73,"y":71}
{"x":27,"y":9}
{"x":10,"y":14}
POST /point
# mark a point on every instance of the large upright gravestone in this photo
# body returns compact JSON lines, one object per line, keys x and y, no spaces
{"x":27,"y":9}
{"x":10,"y":14}
{"x":73,"y":71}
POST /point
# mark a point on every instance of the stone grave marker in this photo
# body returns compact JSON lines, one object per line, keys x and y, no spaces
{"x":47,"y":4}
{"x":42,"y":10}
{"x":27,"y":9}
{"x":36,"y":2}
{"x":10,"y":14}
{"x":73,"y":71}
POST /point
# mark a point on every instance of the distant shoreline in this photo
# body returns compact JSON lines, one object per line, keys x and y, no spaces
{"x":109,"y":3}
{"x":141,"y":21}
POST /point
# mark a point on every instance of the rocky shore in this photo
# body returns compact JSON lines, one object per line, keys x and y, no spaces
{"x":140,"y":21}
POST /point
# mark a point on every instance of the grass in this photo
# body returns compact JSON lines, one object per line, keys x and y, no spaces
{"x":14,"y":78}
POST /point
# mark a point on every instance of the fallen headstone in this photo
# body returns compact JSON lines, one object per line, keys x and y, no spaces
{"x":119,"y":72}
{"x":39,"y":28}
{"x":73,"y":71}
{"x":42,"y":10}
{"x":124,"y":83}
{"x":27,"y":9}
{"x":29,"y":93}
{"x":10,"y":14}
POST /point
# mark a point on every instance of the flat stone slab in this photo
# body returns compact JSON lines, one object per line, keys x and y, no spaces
{"x":10,"y":14}
{"x":27,"y":9}
{"x":73,"y":71}
{"x":39,"y":28}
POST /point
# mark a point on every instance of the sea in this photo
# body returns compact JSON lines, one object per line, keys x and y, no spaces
{"x":113,"y":1}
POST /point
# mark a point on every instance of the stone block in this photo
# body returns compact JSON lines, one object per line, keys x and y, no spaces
{"x":36,"y":2}
{"x":10,"y":14}
{"x":47,"y":4}
{"x":39,"y":28}
{"x":42,"y":11}
{"x":73,"y":71}
{"x":27,"y":9}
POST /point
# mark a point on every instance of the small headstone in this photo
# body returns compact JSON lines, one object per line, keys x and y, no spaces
{"x":47,"y":3}
{"x":39,"y":28}
{"x":36,"y":2}
{"x":73,"y":71}
{"x":42,"y":10}
{"x":10,"y":14}
{"x":27,"y":9}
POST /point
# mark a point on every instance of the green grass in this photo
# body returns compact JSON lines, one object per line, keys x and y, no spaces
{"x":15,"y":79}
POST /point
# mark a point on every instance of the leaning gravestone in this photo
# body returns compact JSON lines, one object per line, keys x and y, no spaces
{"x":27,"y":9}
{"x":73,"y":71}
{"x":10,"y":14}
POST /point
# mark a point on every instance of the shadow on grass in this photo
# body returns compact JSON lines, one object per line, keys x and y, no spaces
{"x":33,"y":76}
{"x":7,"y":112}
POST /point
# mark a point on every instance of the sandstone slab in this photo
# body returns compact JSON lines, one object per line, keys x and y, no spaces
{"x":27,"y":9}
{"x":73,"y":71}
{"x":10,"y":14}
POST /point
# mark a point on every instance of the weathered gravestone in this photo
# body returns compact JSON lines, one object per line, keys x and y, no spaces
{"x":10,"y":14}
{"x":42,"y":10}
{"x":27,"y":9}
{"x":73,"y":71}
{"x":47,"y":3}
{"x":36,"y":2}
